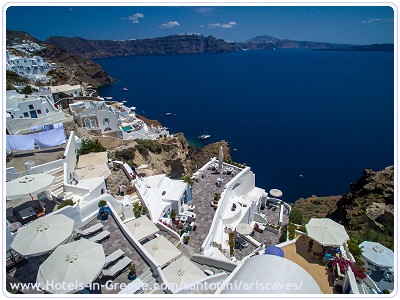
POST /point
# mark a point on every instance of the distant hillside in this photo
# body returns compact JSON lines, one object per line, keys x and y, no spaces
{"x":73,"y":69}
{"x":366,"y":48}
{"x":270,"y":42}
{"x":174,"y":44}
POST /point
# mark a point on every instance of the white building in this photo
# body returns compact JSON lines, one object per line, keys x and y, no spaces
{"x":34,"y":68}
{"x":25,"y":111}
{"x":161,"y":194}
{"x":66,"y":90}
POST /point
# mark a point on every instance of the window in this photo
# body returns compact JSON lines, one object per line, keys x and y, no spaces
{"x":108,"y":129}
{"x":47,"y":111}
{"x":31,"y":106}
{"x":106,"y":120}
{"x":39,"y":111}
{"x":26,"y":115}
{"x":87,"y":123}
{"x":94,"y":124}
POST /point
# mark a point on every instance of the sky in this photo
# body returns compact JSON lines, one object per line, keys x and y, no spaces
{"x":346,"y":24}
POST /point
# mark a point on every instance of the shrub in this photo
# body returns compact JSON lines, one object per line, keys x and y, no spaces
{"x":90,"y":146}
{"x":188,"y":180}
{"x":292,"y":231}
{"x":172,"y":214}
{"x":146,"y":146}
{"x":68,"y":202}
{"x":126,"y":155}
{"x":27,"y":90}
{"x":296,"y":216}
{"x":303,"y":228}
{"x":102,"y":203}
{"x":137,"y":209}
{"x":354,"y":248}
{"x":283,"y":236}
{"x":186,"y":239}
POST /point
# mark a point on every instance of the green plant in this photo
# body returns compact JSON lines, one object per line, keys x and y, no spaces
{"x":296,"y":216}
{"x":89,"y":146}
{"x":188,"y":180}
{"x":137,"y":209}
{"x":182,"y":232}
{"x":68,"y":202}
{"x":231,"y":242}
{"x":303,"y":228}
{"x":283,"y":236}
{"x":132,"y":269}
{"x":126,"y":155}
{"x":186,"y":239}
{"x":102,"y":203}
{"x":354,"y":248}
{"x":292,"y":231}
{"x":217,"y":196}
{"x":146,"y":146}
{"x":172,"y":214}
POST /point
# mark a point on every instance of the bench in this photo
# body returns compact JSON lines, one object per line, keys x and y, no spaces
{"x":113,"y":257}
{"x":91,"y":230}
{"x":117,"y":268}
{"x":101,"y":236}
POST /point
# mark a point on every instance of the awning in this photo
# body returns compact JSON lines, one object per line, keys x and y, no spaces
{"x":92,"y":159}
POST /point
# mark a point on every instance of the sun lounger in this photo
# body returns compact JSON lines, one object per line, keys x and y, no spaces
{"x":113,"y":257}
{"x":117,"y":268}
{"x":101,"y":236}
{"x":91,"y":230}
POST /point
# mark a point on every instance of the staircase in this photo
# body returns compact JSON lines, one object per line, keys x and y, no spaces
{"x":58,"y":186}
{"x":148,"y":278}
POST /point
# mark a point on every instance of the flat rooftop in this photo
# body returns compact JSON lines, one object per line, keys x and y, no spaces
{"x":38,"y":156}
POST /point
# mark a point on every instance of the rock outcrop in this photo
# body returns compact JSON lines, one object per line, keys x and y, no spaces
{"x":366,"y":210}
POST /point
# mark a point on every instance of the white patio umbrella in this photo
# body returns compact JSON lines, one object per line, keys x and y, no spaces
{"x":326,"y":232}
{"x":162,"y":250}
{"x":141,"y":227}
{"x":183,"y":271}
{"x":92,"y":159}
{"x":100,"y":170}
{"x":221,"y":159}
{"x":71,"y":266}
{"x":244,"y":229}
{"x":275,"y":193}
{"x":28,"y":185}
{"x":42,"y":235}
{"x":377,"y":254}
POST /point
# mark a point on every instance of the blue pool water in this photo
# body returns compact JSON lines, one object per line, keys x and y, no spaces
{"x":306,"y":122}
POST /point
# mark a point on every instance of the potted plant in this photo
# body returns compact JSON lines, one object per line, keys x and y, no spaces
{"x":102,"y":203}
{"x":132,"y":272}
{"x":186,"y":239}
{"x":104,"y":215}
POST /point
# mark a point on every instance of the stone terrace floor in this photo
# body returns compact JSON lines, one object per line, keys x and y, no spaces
{"x":118,"y":241}
{"x":202,"y":194}
{"x":115,"y":179}
{"x":298,"y":253}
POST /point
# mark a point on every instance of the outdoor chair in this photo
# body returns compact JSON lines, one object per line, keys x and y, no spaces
{"x":101,"y":236}
{"x":89,"y":231}
{"x":113,"y":257}
{"x":119,"y":267}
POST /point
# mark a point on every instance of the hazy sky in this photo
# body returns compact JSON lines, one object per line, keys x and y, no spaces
{"x":355,"y":25}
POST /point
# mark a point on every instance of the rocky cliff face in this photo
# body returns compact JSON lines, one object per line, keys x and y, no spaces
{"x":73,"y":69}
{"x":366,"y":210}
{"x":175,"y":44}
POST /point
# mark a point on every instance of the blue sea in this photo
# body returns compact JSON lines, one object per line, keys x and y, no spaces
{"x":306,"y":122}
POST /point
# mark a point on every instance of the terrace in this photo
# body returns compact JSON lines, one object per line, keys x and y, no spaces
{"x":202,"y":194}
{"x":297,"y":252}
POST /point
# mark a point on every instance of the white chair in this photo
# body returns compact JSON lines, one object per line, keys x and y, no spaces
{"x":117,"y":268}
{"x":90,"y":230}
{"x":113,"y":257}
{"x":101,"y":236}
